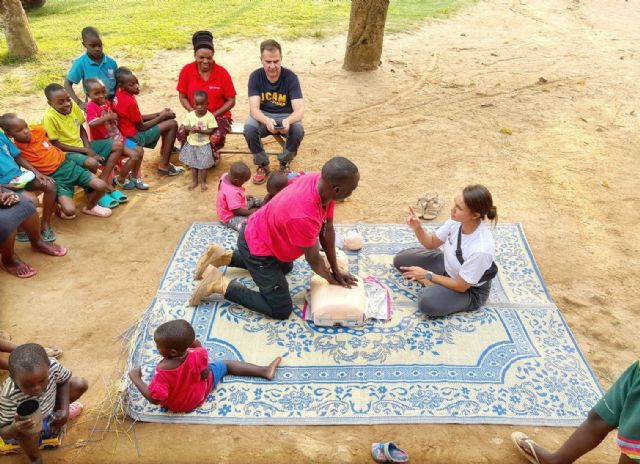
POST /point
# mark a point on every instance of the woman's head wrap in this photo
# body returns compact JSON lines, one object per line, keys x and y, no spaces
{"x":202,"y":39}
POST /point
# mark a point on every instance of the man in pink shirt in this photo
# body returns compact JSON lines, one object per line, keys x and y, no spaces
{"x":297,"y":221}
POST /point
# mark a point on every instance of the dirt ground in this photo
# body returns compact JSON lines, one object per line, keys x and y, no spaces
{"x":562,"y":76}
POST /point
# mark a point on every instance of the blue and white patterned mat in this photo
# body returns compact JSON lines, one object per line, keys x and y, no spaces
{"x":514,"y":361}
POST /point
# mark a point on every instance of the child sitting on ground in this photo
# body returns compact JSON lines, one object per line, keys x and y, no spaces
{"x":93,"y":63}
{"x":63,"y":122}
{"x":232,"y":205}
{"x":46,"y":159}
{"x":145,"y":129}
{"x":185,"y":377}
{"x":276,"y":182}
{"x":34,"y":376}
{"x":103,"y":125}
{"x":10,"y":174}
{"x":619,"y":408}
{"x":196,"y":152}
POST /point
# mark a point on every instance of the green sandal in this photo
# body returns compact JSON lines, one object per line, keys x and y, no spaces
{"x":22,"y":236}
{"x":48,"y":235}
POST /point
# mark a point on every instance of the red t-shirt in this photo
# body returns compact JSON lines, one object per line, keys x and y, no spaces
{"x":230,"y":197}
{"x":219,"y":86}
{"x":128,"y":111}
{"x":290,"y":221}
{"x":104,"y":131}
{"x":181,"y":389}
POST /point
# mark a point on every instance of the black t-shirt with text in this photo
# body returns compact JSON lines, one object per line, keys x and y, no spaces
{"x":275,"y":97}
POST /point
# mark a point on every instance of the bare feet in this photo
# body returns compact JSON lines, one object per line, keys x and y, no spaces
{"x":193,"y":185}
{"x":270,"y":370}
{"x":51,"y":249}
{"x":203,"y":187}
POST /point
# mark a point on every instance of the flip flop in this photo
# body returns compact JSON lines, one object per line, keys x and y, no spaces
{"x":532,"y":457}
{"x":22,"y":236}
{"x":13,"y":270}
{"x":59,"y":251}
{"x":377,"y":452}
{"x":98,"y":211}
{"x":119,"y":196}
{"x":48,"y":235}
{"x":75,"y":409}
{"x":394,"y":454}
{"x":171,"y":171}
{"x":107,"y":201}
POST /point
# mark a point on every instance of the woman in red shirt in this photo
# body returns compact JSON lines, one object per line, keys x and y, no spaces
{"x":205,"y":74}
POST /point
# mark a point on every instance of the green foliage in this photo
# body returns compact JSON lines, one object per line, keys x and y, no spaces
{"x":137,"y":28}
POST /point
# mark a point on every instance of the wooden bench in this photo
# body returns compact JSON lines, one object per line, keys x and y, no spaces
{"x":237,"y":128}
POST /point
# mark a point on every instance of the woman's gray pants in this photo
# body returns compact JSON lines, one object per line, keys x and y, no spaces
{"x":436,"y":300}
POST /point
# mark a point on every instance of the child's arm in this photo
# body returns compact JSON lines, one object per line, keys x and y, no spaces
{"x":39,"y":176}
{"x":136,"y":377}
{"x":85,"y":141}
{"x":68,"y":86}
{"x":13,"y":429}
{"x":150,"y":120}
{"x":110,"y":116}
{"x":71,"y":149}
{"x":61,"y":413}
{"x":244,"y":211}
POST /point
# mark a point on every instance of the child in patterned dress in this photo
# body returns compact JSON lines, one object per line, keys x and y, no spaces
{"x":196,"y":152}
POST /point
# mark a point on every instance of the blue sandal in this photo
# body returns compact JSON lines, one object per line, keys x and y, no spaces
{"x":107,"y":201}
{"x":388,"y":452}
{"x":119,"y":196}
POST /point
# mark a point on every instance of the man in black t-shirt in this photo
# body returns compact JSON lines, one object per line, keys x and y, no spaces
{"x":276,"y":106}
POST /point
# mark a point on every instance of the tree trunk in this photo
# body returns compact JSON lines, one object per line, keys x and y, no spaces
{"x":16,"y":28}
{"x":366,"y":31}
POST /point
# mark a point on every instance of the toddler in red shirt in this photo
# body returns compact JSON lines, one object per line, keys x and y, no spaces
{"x":184,"y":377}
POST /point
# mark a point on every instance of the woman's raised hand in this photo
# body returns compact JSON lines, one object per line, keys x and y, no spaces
{"x":413,"y":220}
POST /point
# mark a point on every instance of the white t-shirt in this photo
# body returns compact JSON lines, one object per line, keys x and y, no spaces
{"x":478,"y":250}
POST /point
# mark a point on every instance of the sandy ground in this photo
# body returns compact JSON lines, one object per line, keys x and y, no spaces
{"x":561,"y":75}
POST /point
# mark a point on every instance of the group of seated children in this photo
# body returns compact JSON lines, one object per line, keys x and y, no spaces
{"x":59,"y":153}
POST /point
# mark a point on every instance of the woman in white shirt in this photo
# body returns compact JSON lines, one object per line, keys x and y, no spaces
{"x":454,"y":281}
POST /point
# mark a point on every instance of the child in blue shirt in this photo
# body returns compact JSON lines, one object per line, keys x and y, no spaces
{"x":10,"y":162}
{"x":93,"y":63}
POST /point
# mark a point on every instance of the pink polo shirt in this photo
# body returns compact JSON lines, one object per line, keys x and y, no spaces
{"x":230,"y":198}
{"x":289,"y":222}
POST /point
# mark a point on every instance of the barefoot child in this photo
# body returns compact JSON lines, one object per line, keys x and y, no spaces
{"x":63,"y":122}
{"x":10,"y":162}
{"x":185,"y":377}
{"x":618,"y":409}
{"x":34,"y":376}
{"x":49,"y":160}
{"x":145,"y":129}
{"x":196,"y":152}
{"x":103,"y":125}
{"x":93,"y":63}
{"x":232,"y":205}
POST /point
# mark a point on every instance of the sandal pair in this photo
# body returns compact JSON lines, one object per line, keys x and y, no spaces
{"x":388,"y":452}
{"x":429,"y":207}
